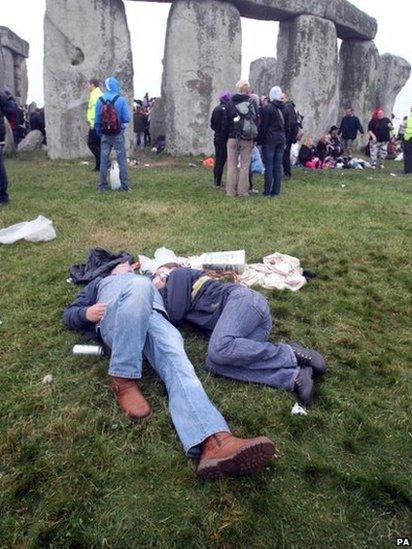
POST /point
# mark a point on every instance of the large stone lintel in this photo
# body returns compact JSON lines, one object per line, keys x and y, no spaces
{"x":10,"y":40}
{"x":350,"y":21}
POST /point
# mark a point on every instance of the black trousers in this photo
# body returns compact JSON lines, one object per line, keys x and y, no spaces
{"x":4,"y":197}
{"x":221,"y":157}
{"x":287,"y":168}
{"x":93,"y":142}
{"x":407,"y":156}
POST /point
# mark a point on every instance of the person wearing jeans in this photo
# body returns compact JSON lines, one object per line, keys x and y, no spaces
{"x":93,"y":140}
{"x":128,"y":314}
{"x":4,"y":197}
{"x":110,"y":140}
{"x":238,"y":321}
{"x":272,"y":137}
{"x":218,"y":124}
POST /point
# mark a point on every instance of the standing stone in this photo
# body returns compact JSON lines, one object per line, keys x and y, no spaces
{"x":202,"y":58}
{"x":263,"y":75}
{"x":308,"y":65}
{"x":83,"y":39}
{"x":358,"y":65}
{"x":394,"y":72}
{"x":13,"y":70}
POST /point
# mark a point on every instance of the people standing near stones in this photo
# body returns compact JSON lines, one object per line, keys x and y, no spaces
{"x":349,"y":128}
{"x":219,"y":124}
{"x":407,"y":144}
{"x":292,"y":130}
{"x":4,"y":197}
{"x":379,"y":131}
{"x":112,"y":116}
{"x":272,"y":137}
{"x":242,"y":131}
{"x":139,"y":126}
{"x":93,"y":140}
{"x":146,"y":100}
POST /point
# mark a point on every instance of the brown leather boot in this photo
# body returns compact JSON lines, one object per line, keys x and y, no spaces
{"x":224,"y":454}
{"x":130,"y":398}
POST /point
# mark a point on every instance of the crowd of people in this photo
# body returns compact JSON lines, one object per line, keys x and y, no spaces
{"x":245,"y":125}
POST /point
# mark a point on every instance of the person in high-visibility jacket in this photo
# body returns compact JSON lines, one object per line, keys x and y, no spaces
{"x":93,"y":140}
{"x":407,"y":145}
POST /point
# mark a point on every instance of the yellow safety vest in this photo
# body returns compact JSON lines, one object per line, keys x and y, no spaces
{"x":408,"y":130}
{"x":91,"y":111}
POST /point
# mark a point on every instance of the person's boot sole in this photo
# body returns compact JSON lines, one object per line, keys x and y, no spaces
{"x":249,"y":459}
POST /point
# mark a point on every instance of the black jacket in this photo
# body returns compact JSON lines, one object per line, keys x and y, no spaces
{"x":219,"y":122}
{"x":233,"y":113}
{"x":291,"y":121}
{"x":3,"y":103}
{"x":99,"y":263}
{"x":272,"y":124}
{"x":350,"y":126}
{"x":306,"y":154}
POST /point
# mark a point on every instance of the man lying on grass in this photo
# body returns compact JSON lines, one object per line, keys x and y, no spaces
{"x":127,"y":313}
{"x":238,"y":321}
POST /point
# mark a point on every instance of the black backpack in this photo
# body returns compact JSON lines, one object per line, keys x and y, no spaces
{"x":245,"y":121}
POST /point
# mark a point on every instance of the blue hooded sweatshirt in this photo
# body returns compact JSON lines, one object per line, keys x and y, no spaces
{"x":121,"y":106}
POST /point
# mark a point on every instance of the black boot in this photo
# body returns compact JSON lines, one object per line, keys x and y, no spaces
{"x":304,"y":386}
{"x":309,"y":358}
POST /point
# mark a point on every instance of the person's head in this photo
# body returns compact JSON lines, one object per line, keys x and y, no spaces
{"x":93,"y":84}
{"x":255,"y":98}
{"x":225,"y":96}
{"x":307,"y":141}
{"x":123,"y":268}
{"x":380,"y":114}
{"x":376,"y":114}
{"x":324,"y":138}
{"x":112,"y":84}
{"x":264,"y":101}
{"x":334,"y":131}
{"x":243,"y":87}
{"x":285,"y":97}
{"x":349,"y":111}
{"x":162,"y":274}
{"x":275,"y":94}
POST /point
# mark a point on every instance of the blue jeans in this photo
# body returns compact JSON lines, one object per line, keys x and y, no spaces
{"x":4,"y":197}
{"x":273,"y":159}
{"x":239,"y":346}
{"x":131,"y":328}
{"x":116,"y":142}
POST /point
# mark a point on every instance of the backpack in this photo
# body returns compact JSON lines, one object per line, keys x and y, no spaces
{"x":110,"y":121}
{"x":245,"y":123}
{"x":296,"y":127}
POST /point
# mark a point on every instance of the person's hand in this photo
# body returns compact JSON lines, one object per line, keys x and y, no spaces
{"x":96,"y":312}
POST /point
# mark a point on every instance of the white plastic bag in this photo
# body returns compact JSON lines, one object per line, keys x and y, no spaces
{"x":38,"y":230}
{"x":114,"y":175}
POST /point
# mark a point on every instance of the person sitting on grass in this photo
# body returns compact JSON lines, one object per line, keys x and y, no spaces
{"x":238,"y":321}
{"x":126,"y":312}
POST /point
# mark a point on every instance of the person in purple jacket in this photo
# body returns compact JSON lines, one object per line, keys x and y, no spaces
{"x":238,"y":321}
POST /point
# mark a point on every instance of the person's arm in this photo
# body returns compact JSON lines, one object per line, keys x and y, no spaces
{"x":125,"y":112}
{"x":80,"y":314}
{"x":178,"y":294}
{"x":360,"y":127}
{"x":97,"y":117}
{"x":215,"y":122}
{"x":370,"y":132}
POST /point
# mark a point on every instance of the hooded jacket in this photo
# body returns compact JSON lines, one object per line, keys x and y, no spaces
{"x":272,"y":124}
{"x":121,"y":106}
{"x":218,"y":122}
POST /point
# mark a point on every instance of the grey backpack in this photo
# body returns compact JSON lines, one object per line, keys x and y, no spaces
{"x":245,"y":122}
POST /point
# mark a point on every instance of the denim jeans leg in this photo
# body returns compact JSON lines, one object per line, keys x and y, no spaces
{"x":105,"y":149}
{"x":236,"y":348}
{"x":125,"y":324}
{"x":193,"y":415}
{"x":277,"y":168}
{"x":120,"y":147}
{"x":267,"y":153}
{"x":4,"y":197}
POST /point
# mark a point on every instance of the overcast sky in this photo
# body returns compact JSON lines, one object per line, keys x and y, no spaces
{"x":25,"y":17}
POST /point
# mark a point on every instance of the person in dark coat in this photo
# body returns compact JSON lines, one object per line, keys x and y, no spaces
{"x":272,"y":137}
{"x":219,"y":125}
{"x":4,"y":197}
{"x":291,"y":130}
{"x":349,"y":128}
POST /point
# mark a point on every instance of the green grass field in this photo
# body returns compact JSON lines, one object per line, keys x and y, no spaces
{"x":75,"y":473}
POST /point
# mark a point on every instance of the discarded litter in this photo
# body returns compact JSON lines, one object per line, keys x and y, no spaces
{"x":85,"y":163}
{"x":47,"y":379}
{"x":393,"y":174}
{"x":94,"y":350}
{"x":147,"y":165}
{"x":191,"y":165}
{"x":298,"y":410}
{"x":343,"y":186}
{"x":37,"y":230}
{"x":115,"y":176}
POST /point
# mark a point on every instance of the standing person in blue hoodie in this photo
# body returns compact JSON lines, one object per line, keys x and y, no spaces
{"x":112,"y":115}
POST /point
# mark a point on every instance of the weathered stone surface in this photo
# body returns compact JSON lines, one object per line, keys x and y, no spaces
{"x":31,"y":142}
{"x":83,"y":40}
{"x":350,"y":21}
{"x":394,"y":72}
{"x":358,"y":68}
{"x":263,"y":75}
{"x":202,"y":58}
{"x":13,"y":69}
{"x":308,"y":68}
{"x":157,"y":120}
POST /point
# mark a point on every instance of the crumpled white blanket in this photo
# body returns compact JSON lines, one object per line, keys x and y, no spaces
{"x":277,"y":272}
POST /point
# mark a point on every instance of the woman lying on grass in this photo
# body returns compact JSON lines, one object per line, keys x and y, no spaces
{"x":238,"y":321}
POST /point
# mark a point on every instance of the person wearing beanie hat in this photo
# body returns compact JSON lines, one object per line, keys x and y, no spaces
{"x":272,"y":137}
{"x":219,"y":125}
